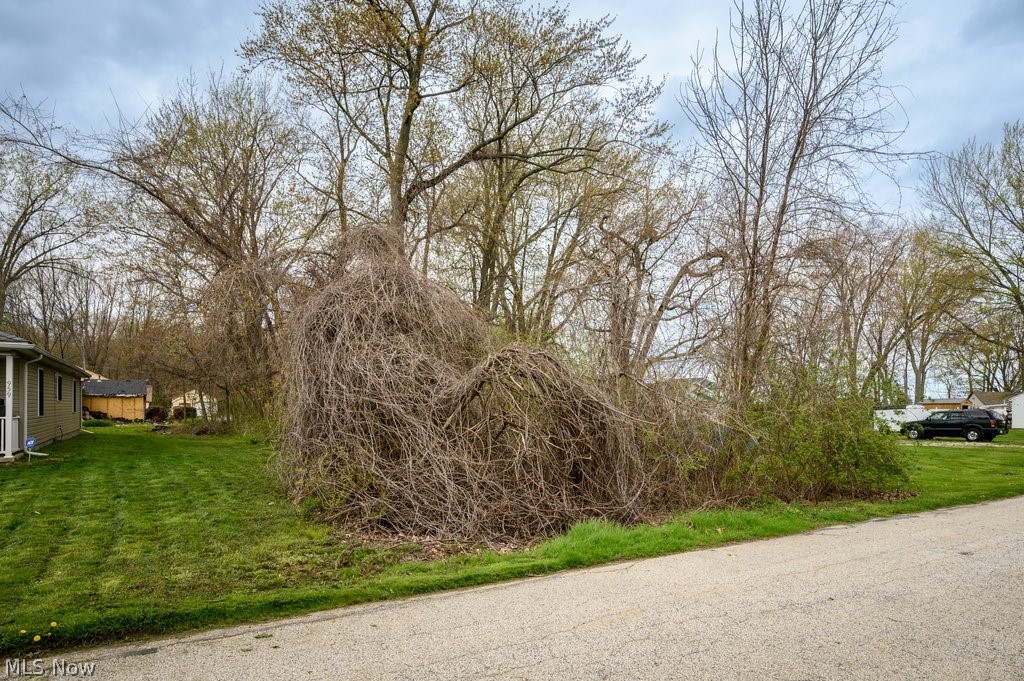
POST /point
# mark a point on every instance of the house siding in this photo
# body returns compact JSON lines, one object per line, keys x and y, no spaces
{"x":58,"y":421}
{"x":1017,"y":409}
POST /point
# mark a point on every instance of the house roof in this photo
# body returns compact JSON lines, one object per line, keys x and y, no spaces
{"x":947,"y":400}
{"x":18,"y":344}
{"x":109,"y":388}
{"x":10,"y":338}
{"x":991,"y":399}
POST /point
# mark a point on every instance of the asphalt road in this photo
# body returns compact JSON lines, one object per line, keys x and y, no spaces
{"x":934,"y":596}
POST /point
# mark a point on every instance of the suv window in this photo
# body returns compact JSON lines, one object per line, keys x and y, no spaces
{"x":958,"y":416}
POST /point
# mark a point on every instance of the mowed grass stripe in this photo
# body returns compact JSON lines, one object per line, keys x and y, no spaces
{"x":127,"y":533}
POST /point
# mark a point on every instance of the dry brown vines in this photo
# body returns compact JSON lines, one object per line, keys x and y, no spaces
{"x":404,"y":412}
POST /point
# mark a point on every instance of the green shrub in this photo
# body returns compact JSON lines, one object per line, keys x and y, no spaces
{"x":803,"y":436}
{"x":814,"y":440}
{"x":97,"y":423}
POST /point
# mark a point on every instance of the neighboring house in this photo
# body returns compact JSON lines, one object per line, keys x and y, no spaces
{"x":987,"y":400}
{"x":122,"y":400}
{"x":945,"y":404}
{"x":41,"y":396}
{"x":204,"y":405}
{"x":1015,"y":405}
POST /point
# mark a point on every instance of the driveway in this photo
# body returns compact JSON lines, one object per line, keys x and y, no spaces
{"x":937,"y":595}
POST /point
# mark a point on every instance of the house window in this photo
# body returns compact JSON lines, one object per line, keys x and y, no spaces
{"x":74,"y":395}
{"x":41,"y":394}
{"x":60,"y":387}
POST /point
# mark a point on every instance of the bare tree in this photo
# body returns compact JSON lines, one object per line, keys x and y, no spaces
{"x":969,"y":361}
{"x":43,"y":215}
{"x":978,"y":200}
{"x":651,"y":278}
{"x":400,"y":73}
{"x":222,"y":228}
{"x":210,"y":211}
{"x":851,"y":270}
{"x":929,"y":289}
{"x":787,"y":117}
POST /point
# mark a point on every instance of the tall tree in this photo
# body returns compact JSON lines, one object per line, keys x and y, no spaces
{"x":787,"y":116}
{"x":851,"y":268}
{"x":211,"y":212}
{"x":977,"y":195}
{"x":929,"y":292}
{"x":43,"y":214}
{"x":651,"y":277}
{"x":396,"y":76}
{"x":223,"y":229}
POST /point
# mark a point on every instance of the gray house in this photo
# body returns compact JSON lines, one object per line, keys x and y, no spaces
{"x":41,"y":397}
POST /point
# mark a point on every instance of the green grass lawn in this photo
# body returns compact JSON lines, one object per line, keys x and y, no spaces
{"x":126,"y":533}
{"x":1014,"y":437}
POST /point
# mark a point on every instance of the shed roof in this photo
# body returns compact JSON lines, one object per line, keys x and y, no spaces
{"x":109,"y":388}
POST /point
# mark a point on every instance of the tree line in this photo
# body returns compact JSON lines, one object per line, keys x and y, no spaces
{"x":515,"y":154}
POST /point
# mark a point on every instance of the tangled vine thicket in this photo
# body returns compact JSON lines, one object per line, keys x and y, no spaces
{"x":404,"y":411}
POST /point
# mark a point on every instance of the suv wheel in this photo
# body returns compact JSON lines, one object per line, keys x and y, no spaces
{"x":973,"y":435}
{"x":914,"y":433}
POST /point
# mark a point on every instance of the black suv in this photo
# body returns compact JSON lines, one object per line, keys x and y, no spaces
{"x":974,"y":425}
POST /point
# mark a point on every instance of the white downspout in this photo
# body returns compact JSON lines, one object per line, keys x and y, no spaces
{"x":8,"y":443}
{"x":24,"y":390}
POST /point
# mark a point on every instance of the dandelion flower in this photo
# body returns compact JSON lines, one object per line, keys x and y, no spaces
{"x":37,"y":638}
{"x":23,"y":631}
{"x":53,"y":624}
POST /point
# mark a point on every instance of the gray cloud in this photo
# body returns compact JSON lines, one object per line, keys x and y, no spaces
{"x":958,"y":60}
{"x":996,"y":22}
{"x":81,"y":55}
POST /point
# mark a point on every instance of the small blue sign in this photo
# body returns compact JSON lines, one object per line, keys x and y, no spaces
{"x":30,"y":443}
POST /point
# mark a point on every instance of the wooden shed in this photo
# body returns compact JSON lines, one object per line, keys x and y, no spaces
{"x":121,"y":400}
{"x":945,"y":404}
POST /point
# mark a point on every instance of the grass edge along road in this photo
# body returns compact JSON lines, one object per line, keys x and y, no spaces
{"x":126,"y":533}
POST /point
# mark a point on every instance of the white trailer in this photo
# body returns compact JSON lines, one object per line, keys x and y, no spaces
{"x":894,"y":418}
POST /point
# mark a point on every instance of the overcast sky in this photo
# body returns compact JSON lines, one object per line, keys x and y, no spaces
{"x":959,"y":63}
